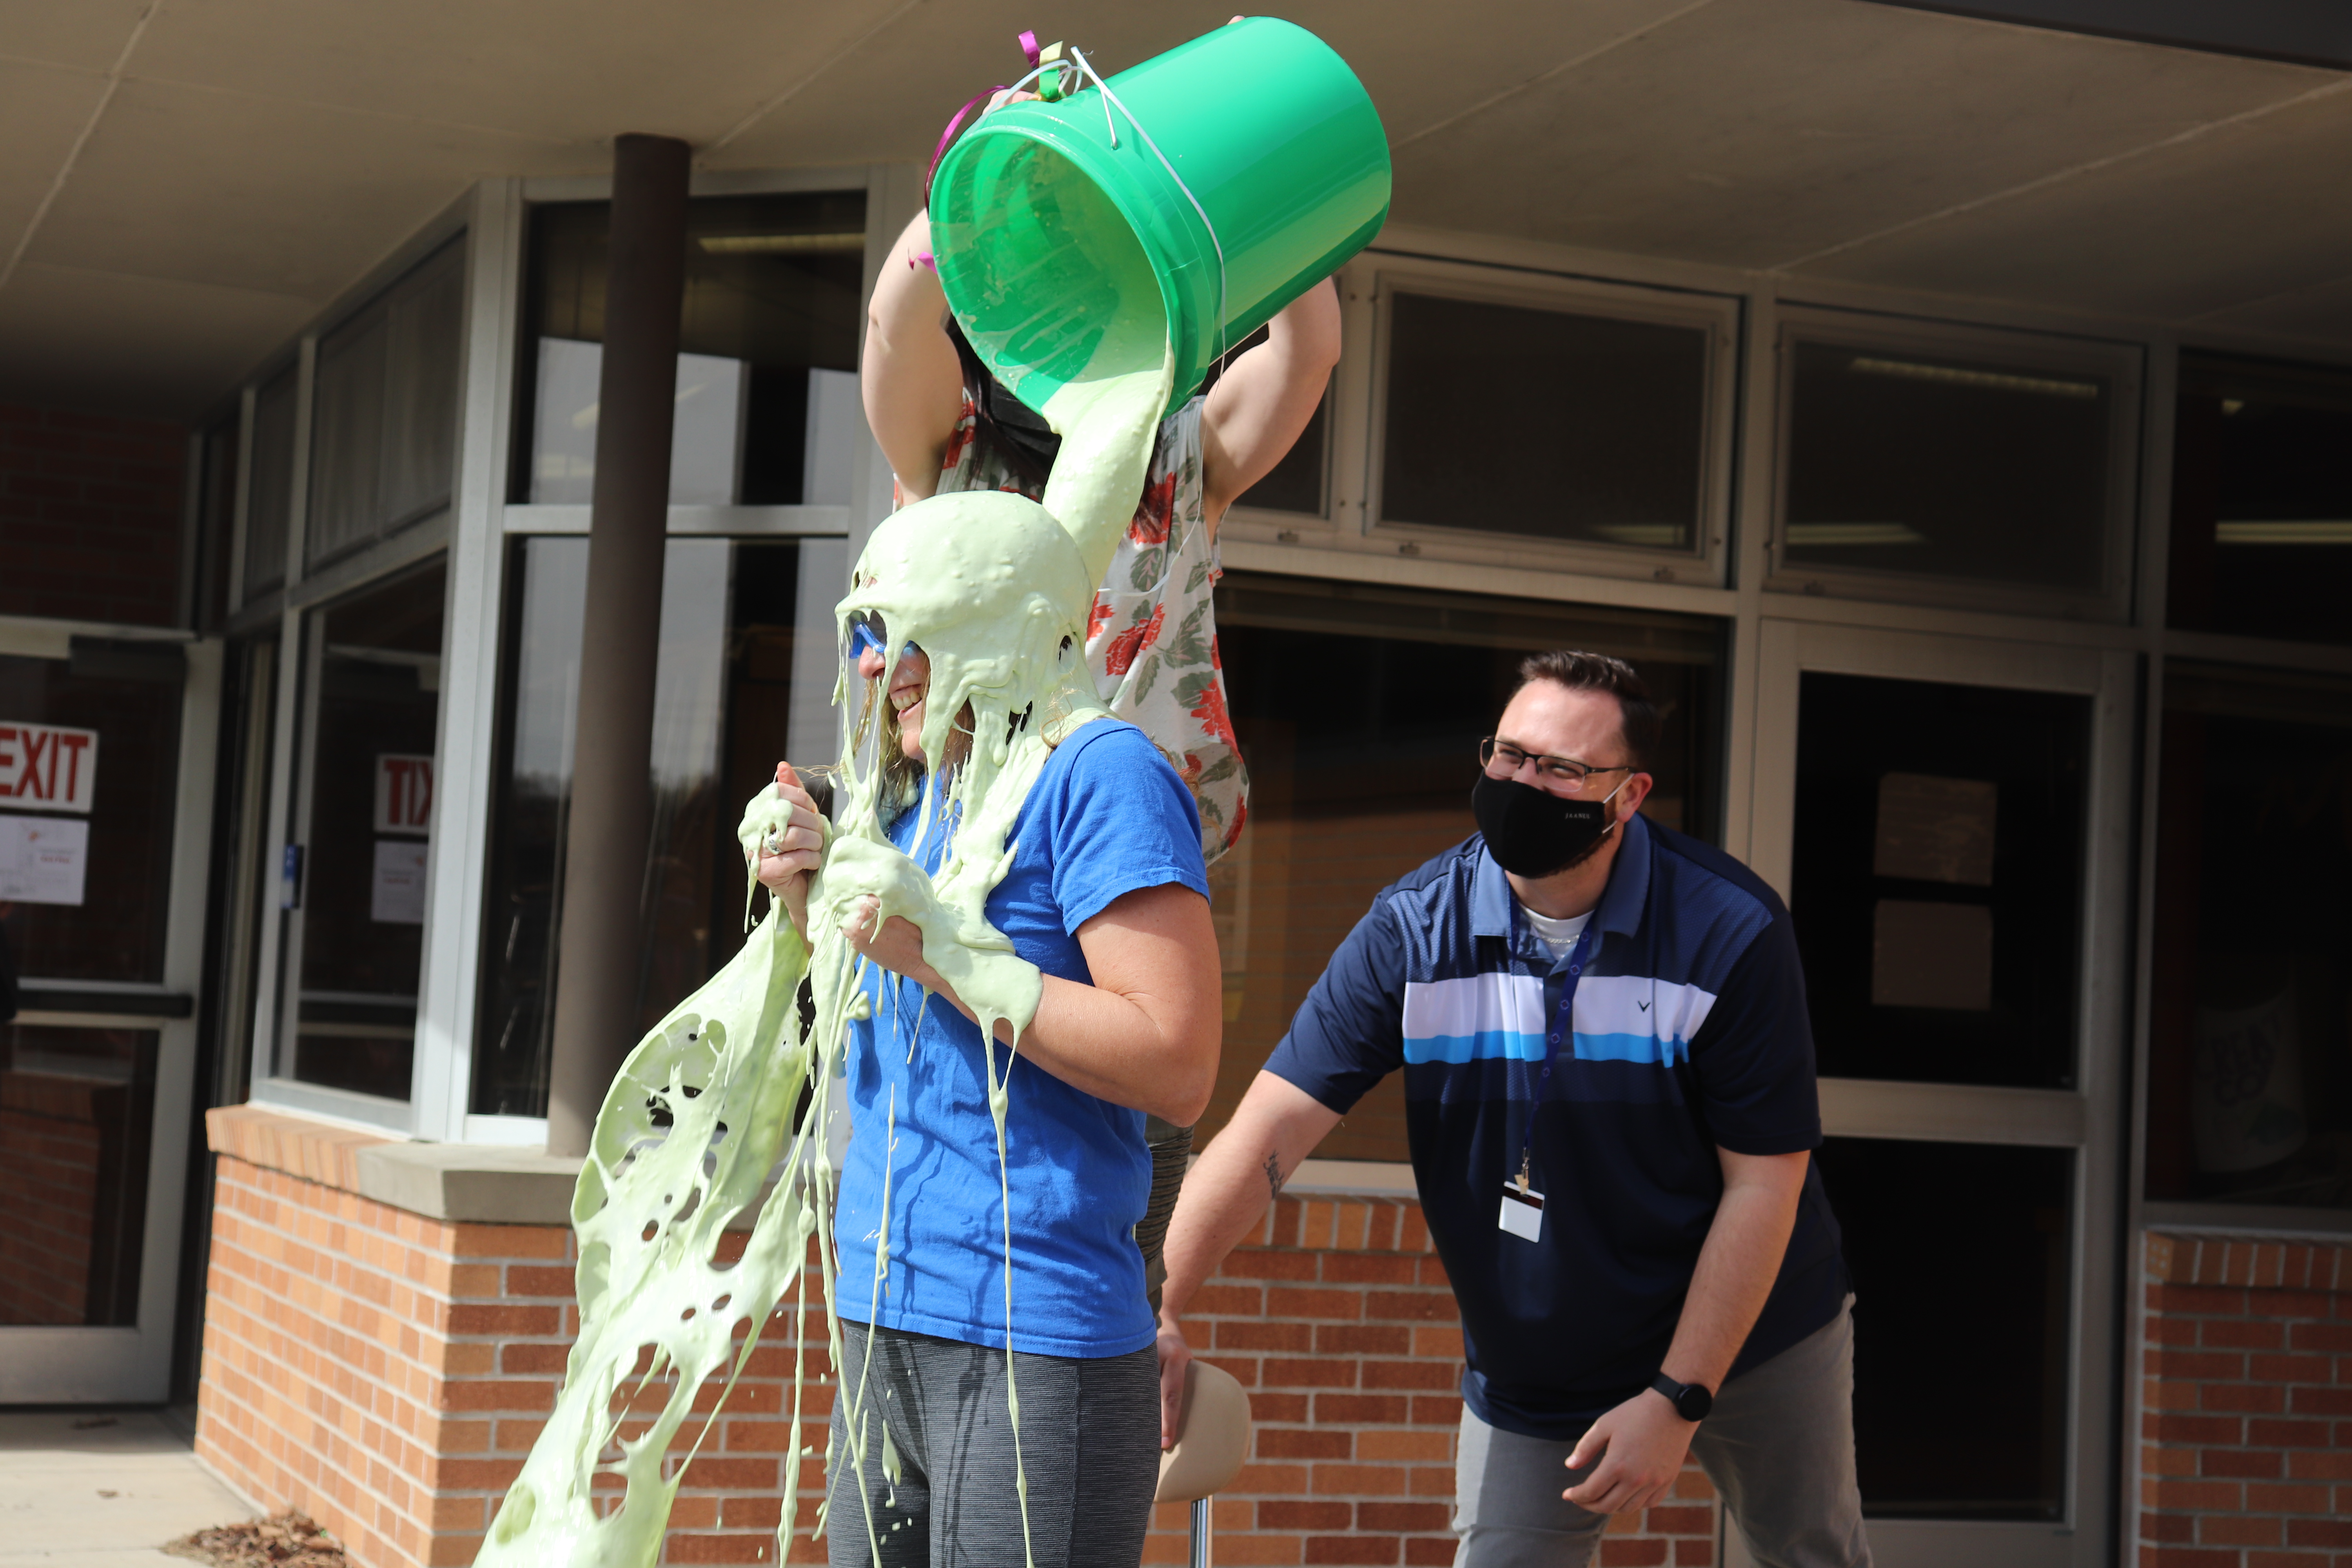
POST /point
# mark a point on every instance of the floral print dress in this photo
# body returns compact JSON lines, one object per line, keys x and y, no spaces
{"x":1152,"y":636}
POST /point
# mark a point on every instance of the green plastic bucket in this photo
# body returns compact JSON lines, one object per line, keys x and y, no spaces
{"x":1052,"y":222}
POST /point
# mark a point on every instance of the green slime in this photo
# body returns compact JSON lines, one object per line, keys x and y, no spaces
{"x":997,"y":593}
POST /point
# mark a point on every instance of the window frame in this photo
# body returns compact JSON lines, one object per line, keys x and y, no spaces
{"x":1718,"y":316}
{"x":253,"y":496}
{"x":278,"y":981}
{"x":2124,"y":362}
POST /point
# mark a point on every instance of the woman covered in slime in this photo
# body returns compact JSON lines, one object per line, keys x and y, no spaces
{"x":1057,"y":891}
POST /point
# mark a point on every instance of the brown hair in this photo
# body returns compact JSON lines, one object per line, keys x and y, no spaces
{"x":1637,"y":714}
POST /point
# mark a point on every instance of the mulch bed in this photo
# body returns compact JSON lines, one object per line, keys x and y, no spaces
{"x":287,"y":1539}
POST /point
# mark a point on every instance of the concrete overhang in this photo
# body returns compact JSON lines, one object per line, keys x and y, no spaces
{"x":184,"y":183}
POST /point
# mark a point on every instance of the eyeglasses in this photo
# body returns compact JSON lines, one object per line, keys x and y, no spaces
{"x":1502,"y":759}
{"x":866,"y":631}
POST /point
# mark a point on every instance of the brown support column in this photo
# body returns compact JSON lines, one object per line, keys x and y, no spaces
{"x":612,"y":795}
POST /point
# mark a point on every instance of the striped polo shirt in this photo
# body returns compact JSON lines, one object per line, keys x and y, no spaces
{"x":1687,"y":1034}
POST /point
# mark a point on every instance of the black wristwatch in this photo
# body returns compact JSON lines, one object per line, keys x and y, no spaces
{"x":1690,"y":1401}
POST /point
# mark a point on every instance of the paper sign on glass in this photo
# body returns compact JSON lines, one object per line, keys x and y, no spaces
{"x":43,"y":859}
{"x":398,"y":895}
{"x":1522,"y":1212}
{"x":1936,"y":829}
{"x":46,"y":767}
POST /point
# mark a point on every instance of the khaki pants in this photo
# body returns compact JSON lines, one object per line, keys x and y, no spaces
{"x":1778,"y":1447}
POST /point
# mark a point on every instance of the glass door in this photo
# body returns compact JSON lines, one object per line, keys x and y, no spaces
{"x":1949,"y":819}
{"x":105,"y":791}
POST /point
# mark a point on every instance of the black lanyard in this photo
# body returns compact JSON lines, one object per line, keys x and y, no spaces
{"x":1563,"y":1031}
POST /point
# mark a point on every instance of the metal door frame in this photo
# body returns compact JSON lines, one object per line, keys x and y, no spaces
{"x":2088,"y":1119}
{"x":65,"y":1365}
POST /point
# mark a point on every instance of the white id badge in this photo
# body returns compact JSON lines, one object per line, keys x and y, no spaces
{"x":1522,"y":1213}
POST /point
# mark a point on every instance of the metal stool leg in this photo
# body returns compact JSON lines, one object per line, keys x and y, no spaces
{"x":1205,"y":1518}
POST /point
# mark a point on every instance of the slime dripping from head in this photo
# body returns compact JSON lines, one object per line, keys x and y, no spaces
{"x":994,"y":591}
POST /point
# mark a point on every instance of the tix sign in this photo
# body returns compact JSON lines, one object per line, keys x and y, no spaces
{"x":45,"y":767}
{"x":403,"y":793}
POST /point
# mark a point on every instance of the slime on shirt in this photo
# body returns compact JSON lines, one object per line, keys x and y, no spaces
{"x":997,"y":594}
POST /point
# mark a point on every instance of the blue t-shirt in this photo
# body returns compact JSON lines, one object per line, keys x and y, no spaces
{"x":1108,"y":815}
{"x":1688,"y":1031}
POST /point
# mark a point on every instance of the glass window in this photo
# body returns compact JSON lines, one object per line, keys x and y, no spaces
{"x":2262,"y":501}
{"x":364,"y":813}
{"x":1355,"y":781}
{"x":76,"y":1117}
{"x":767,"y":384}
{"x":385,"y":436}
{"x":1953,"y":466}
{"x":1960,"y":1254}
{"x":744,"y":678}
{"x":1937,"y":878}
{"x":270,"y":501}
{"x":90,"y":753}
{"x":1512,"y":419}
{"x":2250,"y":1070}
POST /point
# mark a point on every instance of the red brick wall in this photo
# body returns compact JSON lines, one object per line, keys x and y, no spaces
{"x":90,"y":513}
{"x":48,"y":1188}
{"x":1337,"y":1317}
{"x":387,"y":1373}
{"x":73,"y":1192}
{"x":2246,"y":1424}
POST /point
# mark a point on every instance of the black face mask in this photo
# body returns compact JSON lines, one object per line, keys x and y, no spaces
{"x":1535,"y":833}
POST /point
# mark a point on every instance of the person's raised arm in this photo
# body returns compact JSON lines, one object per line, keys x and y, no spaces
{"x":1266,"y":398}
{"x":910,"y":378}
{"x":1225,"y":1192}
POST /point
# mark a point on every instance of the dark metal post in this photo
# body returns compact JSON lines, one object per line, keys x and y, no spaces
{"x":612,"y":794}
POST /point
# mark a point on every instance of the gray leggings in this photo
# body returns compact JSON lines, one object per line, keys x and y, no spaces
{"x":1089,"y":1442}
{"x":1778,"y":1447}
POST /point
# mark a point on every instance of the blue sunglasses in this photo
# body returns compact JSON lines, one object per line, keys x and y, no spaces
{"x":866,"y":631}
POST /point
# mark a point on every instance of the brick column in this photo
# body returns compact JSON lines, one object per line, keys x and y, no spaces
{"x":387,"y":1373}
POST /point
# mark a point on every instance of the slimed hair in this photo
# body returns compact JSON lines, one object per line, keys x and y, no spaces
{"x":1638,"y":723}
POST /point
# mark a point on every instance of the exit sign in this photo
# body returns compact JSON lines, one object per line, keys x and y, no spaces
{"x":46,"y":767}
{"x":403,"y":793}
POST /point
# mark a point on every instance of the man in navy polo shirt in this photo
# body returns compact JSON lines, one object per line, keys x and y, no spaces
{"x":1609,"y":1086}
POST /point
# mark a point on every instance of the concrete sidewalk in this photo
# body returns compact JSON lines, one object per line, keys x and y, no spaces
{"x":77,"y":1494}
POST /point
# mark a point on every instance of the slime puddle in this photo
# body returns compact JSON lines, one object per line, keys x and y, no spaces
{"x":997,"y":593}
